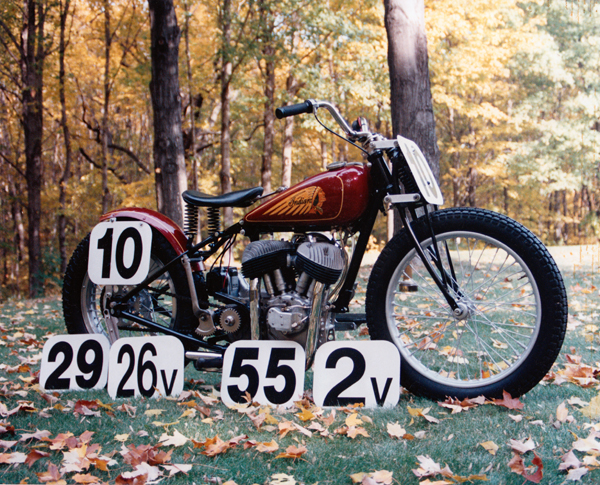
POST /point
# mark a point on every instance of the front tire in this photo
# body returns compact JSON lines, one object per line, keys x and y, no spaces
{"x":512,"y":297}
{"x":166,"y":301}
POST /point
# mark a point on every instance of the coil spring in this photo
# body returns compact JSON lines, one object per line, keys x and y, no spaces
{"x":214,"y":219}
{"x":191,"y":220}
{"x":408,"y":180}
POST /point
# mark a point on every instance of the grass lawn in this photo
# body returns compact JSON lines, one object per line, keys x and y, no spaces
{"x":85,"y":437}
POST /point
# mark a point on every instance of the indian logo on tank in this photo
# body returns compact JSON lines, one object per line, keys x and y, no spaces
{"x":307,"y":201}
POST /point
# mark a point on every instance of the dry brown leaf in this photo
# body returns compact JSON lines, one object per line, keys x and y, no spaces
{"x":508,"y":401}
{"x":267,"y":447}
{"x":517,"y":466}
{"x":569,"y":460}
{"x":293,"y":452}
{"x":87,"y":478}
{"x":52,"y":474}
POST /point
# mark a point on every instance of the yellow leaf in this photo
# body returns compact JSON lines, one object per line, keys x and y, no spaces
{"x":358,"y":477}
{"x":353,"y":420}
{"x":592,"y":411}
{"x":305,"y":415}
{"x":490,"y":446}
{"x":153,"y":412}
{"x":122,"y":437}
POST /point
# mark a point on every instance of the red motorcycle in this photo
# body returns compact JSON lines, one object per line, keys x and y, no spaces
{"x":473,"y":300}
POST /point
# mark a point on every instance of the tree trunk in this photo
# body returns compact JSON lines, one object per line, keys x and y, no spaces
{"x":226,"y":73}
{"x":32,"y":69}
{"x":62,"y":197}
{"x":411,"y":104}
{"x":268,"y":55}
{"x":169,"y":160}
{"x":286,"y":157}
{"x":188,"y":63}
{"x":105,"y":107}
{"x":269,"y":120}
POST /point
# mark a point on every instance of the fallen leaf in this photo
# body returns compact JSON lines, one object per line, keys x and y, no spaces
{"x":569,"y":460}
{"x":422,"y":413}
{"x":587,"y":444}
{"x":122,"y":437}
{"x":293,"y":452}
{"x":35,"y":455}
{"x":282,"y":479}
{"x":490,"y":446}
{"x":177,"y":468}
{"x":87,"y":478}
{"x":507,"y":401}
{"x":562,"y":412}
{"x":522,"y":446}
{"x":397,"y":431}
{"x":176,"y":440}
{"x":354,"y":431}
{"x":429,"y":468}
{"x":517,"y":466}
{"x":592,"y":410}
{"x":575,"y":474}
{"x":353,"y":420}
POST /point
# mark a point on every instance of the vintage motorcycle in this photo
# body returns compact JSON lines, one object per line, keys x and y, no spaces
{"x":473,"y":300}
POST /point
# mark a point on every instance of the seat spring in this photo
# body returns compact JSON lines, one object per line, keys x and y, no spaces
{"x":213,"y":223}
{"x":191,"y":220}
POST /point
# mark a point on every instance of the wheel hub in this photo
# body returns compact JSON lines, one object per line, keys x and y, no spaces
{"x":463,"y":311}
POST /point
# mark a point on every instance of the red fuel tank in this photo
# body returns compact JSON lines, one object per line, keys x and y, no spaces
{"x":334,"y":198}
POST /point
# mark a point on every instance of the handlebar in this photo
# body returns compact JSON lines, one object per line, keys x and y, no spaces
{"x":293,"y":110}
{"x":311,"y":106}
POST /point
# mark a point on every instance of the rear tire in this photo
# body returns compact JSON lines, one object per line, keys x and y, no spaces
{"x":509,"y":288}
{"x":166,"y":300}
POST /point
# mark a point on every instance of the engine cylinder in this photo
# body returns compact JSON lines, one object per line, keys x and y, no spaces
{"x":320,"y":260}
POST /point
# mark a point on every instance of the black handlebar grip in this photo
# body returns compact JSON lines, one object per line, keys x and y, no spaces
{"x":293,"y":110}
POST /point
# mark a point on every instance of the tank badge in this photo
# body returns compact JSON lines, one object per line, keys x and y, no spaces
{"x":306,"y":201}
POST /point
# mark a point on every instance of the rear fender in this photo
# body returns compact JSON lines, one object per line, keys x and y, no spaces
{"x":169,"y":229}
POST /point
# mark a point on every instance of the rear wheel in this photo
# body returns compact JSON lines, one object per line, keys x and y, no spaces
{"x":513,"y":306}
{"x":165,"y":301}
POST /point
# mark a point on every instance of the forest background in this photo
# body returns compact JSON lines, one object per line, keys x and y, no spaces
{"x":514,"y":85}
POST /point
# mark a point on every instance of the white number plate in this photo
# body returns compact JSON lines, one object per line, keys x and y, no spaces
{"x":366,"y":372}
{"x":74,"y":362}
{"x":146,"y":366}
{"x":270,"y":372}
{"x":119,"y":253}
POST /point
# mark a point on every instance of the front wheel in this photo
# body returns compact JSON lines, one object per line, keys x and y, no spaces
{"x":512,"y":306}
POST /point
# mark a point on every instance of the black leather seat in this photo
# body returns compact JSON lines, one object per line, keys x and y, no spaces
{"x":239,"y":198}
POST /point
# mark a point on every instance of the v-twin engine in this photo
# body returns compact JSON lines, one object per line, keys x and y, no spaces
{"x":290,"y":273}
